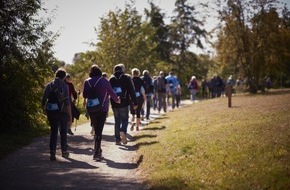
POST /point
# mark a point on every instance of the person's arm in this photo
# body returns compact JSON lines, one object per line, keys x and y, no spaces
{"x":74,"y":93}
{"x":131,"y":91}
{"x":111,"y":92}
{"x":85,"y":94}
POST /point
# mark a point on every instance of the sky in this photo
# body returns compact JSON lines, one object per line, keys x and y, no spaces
{"x":76,"y":20}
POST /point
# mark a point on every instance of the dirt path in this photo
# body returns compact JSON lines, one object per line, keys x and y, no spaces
{"x":30,"y":168}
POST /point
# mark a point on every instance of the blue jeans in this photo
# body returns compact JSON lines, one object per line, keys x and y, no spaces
{"x":121,"y":116}
{"x":57,"y":120}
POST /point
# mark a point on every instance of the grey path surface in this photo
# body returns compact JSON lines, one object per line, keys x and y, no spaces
{"x":30,"y":168}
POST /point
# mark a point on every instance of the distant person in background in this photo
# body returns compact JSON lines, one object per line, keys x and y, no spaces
{"x":160,"y":87}
{"x":178,"y":93}
{"x":96,"y":92}
{"x":204,"y":88}
{"x":57,"y":106}
{"x":193,"y":87}
{"x":173,"y":87}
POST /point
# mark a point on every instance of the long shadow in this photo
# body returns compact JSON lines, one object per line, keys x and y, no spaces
{"x":108,"y":138}
{"x":154,"y":128}
{"x":138,"y":145}
{"x":120,"y":165}
{"x":144,"y":136}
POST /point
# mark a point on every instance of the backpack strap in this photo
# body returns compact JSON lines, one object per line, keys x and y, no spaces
{"x":95,"y":82}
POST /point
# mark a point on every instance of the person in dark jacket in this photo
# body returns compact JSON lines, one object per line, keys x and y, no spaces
{"x":57,"y":106}
{"x":124,"y":88}
{"x":149,"y":91}
{"x":141,"y":98}
{"x":96,"y":84}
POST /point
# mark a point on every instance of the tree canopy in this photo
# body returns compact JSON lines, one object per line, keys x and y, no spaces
{"x":25,"y":57}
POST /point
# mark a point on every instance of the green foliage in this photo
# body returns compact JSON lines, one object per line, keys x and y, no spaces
{"x":25,"y":63}
{"x":123,"y":39}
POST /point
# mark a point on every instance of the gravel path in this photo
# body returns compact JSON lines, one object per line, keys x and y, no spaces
{"x":30,"y":168}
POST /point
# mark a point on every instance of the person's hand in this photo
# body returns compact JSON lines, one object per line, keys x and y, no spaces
{"x":85,"y":102}
{"x":119,"y":101}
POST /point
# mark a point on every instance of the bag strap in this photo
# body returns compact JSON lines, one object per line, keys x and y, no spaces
{"x":95,"y":82}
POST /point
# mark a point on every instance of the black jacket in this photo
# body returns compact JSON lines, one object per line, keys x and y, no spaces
{"x":124,"y":88}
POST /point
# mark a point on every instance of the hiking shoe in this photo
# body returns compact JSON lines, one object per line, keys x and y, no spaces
{"x":123,"y":137}
{"x":52,"y":157}
{"x":65,"y":154}
{"x":117,"y":142}
{"x":98,"y":156}
{"x":70,"y":132}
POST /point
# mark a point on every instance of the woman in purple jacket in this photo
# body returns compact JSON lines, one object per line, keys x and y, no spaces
{"x":96,"y":84}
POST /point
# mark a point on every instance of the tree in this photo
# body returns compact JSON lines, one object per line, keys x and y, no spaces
{"x":185,"y":31}
{"x":249,"y":44}
{"x":122,"y":39}
{"x":25,"y":62}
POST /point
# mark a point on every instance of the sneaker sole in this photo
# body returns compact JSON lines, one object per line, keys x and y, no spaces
{"x":123,"y":137}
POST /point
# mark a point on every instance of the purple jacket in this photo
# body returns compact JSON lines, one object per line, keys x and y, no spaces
{"x":103,"y":87}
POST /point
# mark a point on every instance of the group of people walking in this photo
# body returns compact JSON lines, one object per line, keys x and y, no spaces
{"x":127,"y":94}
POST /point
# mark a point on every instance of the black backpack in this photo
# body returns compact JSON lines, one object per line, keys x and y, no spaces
{"x":56,"y":98}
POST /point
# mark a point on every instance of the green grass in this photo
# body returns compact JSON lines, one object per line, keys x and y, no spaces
{"x":210,"y":146}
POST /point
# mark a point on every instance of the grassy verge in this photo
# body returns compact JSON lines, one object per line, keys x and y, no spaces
{"x":210,"y":146}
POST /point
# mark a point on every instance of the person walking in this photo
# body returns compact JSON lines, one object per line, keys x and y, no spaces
{"x":160,"y":87}
{"x":173,"y":87}
{"x":124,"y":88}
{"x":72,"y":96}
{"x":96,"y":93}
{"x":149,"y":90}
{"x":57,"y":106}
{"x":141,"y":98}
{"x":193,"y":87}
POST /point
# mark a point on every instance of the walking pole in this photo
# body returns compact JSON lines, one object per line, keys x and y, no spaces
{"x":79,"y":92}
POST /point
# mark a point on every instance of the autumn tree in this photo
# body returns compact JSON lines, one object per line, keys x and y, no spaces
{"x":250,"y":42}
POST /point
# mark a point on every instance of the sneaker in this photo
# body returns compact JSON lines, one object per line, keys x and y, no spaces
{"x":98,"y":156}
{"x":65,"y":154}
{"x":123,"y":137}
{"x":52,"y":157}
{"x":70,"y":132}
{"x":117,"y":142}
